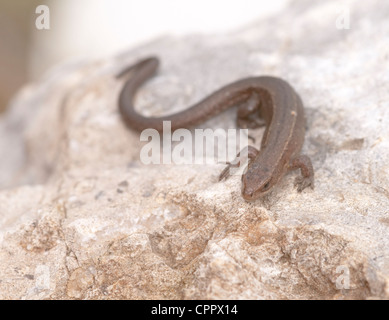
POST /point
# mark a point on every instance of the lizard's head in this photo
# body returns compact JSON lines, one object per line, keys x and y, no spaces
{"x":256,"y":182}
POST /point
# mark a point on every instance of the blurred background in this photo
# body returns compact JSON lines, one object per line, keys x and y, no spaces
{"x":97,"y":28}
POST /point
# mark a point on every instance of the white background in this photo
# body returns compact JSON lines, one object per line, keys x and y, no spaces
{"x":95,"y":28}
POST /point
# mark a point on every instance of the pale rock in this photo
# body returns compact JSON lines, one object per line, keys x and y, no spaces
{"x":82,"y":218}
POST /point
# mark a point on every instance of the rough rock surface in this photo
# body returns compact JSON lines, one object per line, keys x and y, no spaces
{"x":82,"y":218}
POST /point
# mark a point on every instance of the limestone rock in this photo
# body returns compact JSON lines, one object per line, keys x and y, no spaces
{"x":82,"y":218}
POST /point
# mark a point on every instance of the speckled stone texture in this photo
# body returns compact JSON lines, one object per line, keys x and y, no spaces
{"x":82,"y":218}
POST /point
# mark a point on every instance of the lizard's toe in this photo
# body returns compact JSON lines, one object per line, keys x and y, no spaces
{"x":303,"y":182}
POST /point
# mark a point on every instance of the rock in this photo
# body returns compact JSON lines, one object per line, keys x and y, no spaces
{"x":83,"y":218}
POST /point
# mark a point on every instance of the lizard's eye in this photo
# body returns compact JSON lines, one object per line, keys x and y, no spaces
{"x":266,"y":186}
